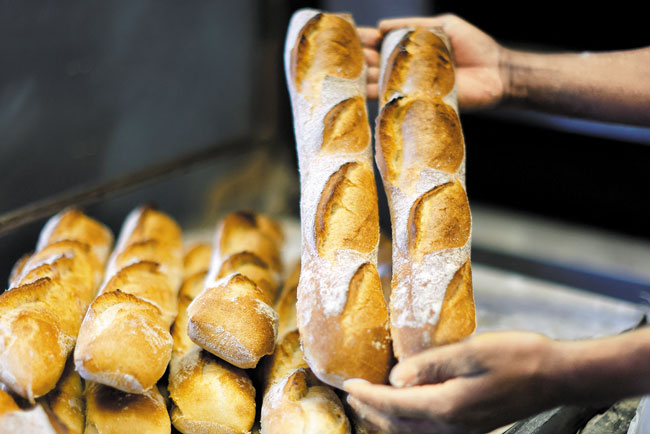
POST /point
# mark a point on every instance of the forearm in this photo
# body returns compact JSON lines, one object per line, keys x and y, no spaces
{"x":613,"y":86}
{"x":602,"y":370}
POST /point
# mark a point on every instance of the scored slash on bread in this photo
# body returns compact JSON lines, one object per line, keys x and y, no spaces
{"x":49,"y":292}
{"x":232,"y":317}
{"x":341,"y":309}
{"x":421,"y":157}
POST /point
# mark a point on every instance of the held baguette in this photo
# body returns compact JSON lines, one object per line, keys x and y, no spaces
{"x":421,"y":158}
{"x":232,"y":318}
{"x":208,"y":394}
{"x":124,"y":341}
{"x":41,"y":313}
{"x":341,"y":310}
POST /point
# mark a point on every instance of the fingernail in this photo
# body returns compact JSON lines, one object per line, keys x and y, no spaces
{"x":399,"y":376}
{"x":346,"y":383}
{"x":395,"y":379}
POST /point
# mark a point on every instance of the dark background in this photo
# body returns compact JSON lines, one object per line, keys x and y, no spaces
{"x":92,"y":90}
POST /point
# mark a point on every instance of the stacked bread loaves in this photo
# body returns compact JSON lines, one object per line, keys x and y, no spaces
{"x":208,"y":394}
{"x":232,"y":317}
{"x":41,"y":312}
{"x":341,"y":309}
{"x":421,"y":158}
{"x":124,"y":341}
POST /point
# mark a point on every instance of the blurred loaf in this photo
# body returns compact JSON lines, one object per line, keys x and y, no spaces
{"x":124,"y":341}
{"x":41,"y":312}
{"x":232,"y":317}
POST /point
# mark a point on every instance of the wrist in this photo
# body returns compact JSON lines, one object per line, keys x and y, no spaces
{"x":512,"y":89}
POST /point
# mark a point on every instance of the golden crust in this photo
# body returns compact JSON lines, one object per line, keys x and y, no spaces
{"x":147,"y":281}
{"x":215,"y":322}
{"x":75,"y":225}
{"x":66,"y":400}
{"x":361,"y":329}
{"x":249,"y":232}
{"x":156,"y":225}
{"x":286,"y":358}
{"x":74,"y":274}
{"x":457,"y":319}
{"x":17,"y":270}
{"x":152,"y":250}
{"x":251,"y":266}
{"x":210,"y":395}
{"x":7,"y":403}
{"x":347,"y":215}
{"x":327,"y":45}
{"x":286,"y":304}
{"x":439,"y":219}
{"x":111,"y":411}
{"x":30,"y":332}
{"x":417,"y":133}
{"x":192,"y":287}
{"x":196,"y":259}
{"x":304,"y":404}
{"x":419,"y":63}
{"x":74,"y":248}
{"x":124,"y":343}
{"x":345,"y":127}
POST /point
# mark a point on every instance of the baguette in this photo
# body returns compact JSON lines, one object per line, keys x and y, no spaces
{"x":111,"y":411}
{"x":208,"y":395}
{"x":295,"y":401}
{"x":341,"y":309}
{"x":421,"y":158}
{"x":66,"y":401}
{"x":124,"y":340}
{"x":285,"y":306}
{"x":41,"y":313}
{"x":232,"y":317}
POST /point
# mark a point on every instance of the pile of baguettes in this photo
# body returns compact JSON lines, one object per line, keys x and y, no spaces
{"x":87,"y":331}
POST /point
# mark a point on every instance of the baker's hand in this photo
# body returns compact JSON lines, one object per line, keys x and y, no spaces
{"x":481,"y":63}
{"x":470,"y":387}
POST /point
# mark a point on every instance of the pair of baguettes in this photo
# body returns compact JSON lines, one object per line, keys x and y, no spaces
{"x":420,"y":154}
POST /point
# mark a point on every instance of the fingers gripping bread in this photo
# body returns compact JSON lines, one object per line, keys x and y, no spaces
{"x":124,"y":341}
{"x":341,"y":310}
{"x":421,"y":157}
{"x":232,"y":318}
{"x":208,"y":394}
{"x":41,"y":313}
